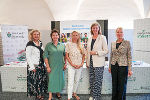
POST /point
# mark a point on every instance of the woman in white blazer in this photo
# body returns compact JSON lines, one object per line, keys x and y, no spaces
{"x":36,"y":72}
{"x":96,"y":51}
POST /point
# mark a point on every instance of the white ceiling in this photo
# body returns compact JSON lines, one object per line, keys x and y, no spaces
{"x":85,"y":9}
{"x":118,"y":12}
{"x":39,"y":13}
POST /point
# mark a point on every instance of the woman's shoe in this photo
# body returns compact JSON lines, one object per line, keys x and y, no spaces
{"x":42,"y":98}
{"x":58,"y":97}
{"x":39,"y":98}
{"x":91,"y":98}
{"x":76,"y":97}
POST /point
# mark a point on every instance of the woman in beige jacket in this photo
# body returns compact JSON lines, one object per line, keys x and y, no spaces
{"x":96,"y":51}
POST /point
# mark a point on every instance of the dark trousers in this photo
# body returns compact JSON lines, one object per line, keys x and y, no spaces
{"x":119,"y":81}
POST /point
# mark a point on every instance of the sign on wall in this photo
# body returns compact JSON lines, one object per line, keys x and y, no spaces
{"x":81,"y":26}
{"x":141,"y":48}
{"x":14,"y":39}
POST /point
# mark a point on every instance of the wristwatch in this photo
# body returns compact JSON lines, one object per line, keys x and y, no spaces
{"x":96,"y":53}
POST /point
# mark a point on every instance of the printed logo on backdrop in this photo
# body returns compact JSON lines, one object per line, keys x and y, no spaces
{"x":14,"y":40}
{"x":15,"y":35}
{"x":9,"y":34}
{"x":143,"y":34}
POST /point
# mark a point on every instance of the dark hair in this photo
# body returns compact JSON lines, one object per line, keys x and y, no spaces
{"x":96,"y":24}
{"x":64,"y":35}
{"x":54,"y":31}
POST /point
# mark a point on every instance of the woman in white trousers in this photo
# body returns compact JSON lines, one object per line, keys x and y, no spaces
{"x":75,"y":55}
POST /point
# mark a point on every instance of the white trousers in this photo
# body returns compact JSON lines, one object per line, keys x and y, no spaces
{"x":73,"y":80}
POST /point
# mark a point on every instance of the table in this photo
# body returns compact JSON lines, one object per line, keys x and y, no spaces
{"x":14,"y":80}
{"x":13,"y":77}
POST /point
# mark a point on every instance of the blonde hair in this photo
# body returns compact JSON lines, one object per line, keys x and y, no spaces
{"x":31,"y":34}
{"x":96,"y":24}
{"x":119,"y":28}
{"x":78,"y":42}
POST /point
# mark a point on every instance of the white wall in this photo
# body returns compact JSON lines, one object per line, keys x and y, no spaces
{"x":33,"y":13}
{"x":45,"y":38}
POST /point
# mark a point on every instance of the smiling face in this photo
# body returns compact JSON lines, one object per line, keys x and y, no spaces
{"x":119,"y":33}
{"x":85,"y":35}
{"x":95,"y":29}
{"x":36,"y":36}
{"x":55,"y":36}
{"x":75,"y":36}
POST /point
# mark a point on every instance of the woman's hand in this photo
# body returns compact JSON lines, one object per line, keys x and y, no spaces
{"x":34,"y":70}
{"x":48,"y":69}
{"x":109,"y":69}
{"x":130,"y":73}
{"x":81,"y":65}
{"x":78,"y":66}
{"x":93,"y":53}
{"x":65,"y":67}
{"x":73,"y":65}
{"x":87,"y":65}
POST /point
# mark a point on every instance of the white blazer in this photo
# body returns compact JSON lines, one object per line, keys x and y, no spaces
{"x":32,"y":56}
{"x":100,"y":46}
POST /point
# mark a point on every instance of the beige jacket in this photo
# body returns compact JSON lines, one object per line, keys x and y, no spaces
{"x":122,"y":55}
{"x":100,"y":46}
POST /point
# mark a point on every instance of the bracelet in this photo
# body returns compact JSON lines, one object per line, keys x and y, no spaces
{"x":65,"y":63}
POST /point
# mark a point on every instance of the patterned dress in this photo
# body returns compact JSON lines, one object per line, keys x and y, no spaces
{"x":37,"y":81}
{"x":96,"y":77}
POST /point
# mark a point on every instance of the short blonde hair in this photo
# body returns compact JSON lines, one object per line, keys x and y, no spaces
{"x":119,"y":28}
{"x":96,"y":24}
{"x":31,"y":34}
